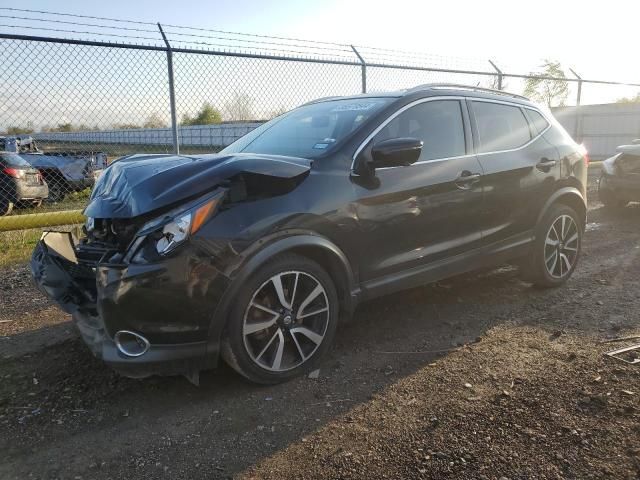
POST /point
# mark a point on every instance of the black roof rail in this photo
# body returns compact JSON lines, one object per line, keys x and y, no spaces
{"x":466,"y":87}
{"x":322,"y":99}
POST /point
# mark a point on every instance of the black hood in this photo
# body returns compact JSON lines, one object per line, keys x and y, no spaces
{"x":139,"y":184}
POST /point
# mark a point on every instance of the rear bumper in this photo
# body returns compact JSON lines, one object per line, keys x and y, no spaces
{"x":31,"y":192}
{"x":168,"y":303}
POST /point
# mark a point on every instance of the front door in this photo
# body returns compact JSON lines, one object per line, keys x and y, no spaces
{"x":415,"y":215}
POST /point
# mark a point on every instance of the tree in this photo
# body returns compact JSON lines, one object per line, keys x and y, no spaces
{"x":208,"y":115}
{"x":20,"y":129}
{"x":126,"y":126}
{"x":240,"y":107}
{"x":634,"y":99}
{"x":550,"y":92}
{"x":154,"y":121}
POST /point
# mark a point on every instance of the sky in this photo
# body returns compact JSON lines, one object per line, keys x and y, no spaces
{"x":597,"y":39}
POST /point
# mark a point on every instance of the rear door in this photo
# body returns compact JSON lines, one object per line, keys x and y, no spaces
{"x":520,"y":170}
{"x":416,"y":215}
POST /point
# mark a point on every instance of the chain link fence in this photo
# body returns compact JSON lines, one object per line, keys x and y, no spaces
{"x":68,"y":107}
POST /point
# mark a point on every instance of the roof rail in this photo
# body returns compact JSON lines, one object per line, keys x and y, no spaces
{"x":466,"y":87}
{"x":322,"y":99}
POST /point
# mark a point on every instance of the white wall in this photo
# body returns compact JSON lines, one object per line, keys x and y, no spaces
{"x":601,"y":127}
{"x":204,"y":135}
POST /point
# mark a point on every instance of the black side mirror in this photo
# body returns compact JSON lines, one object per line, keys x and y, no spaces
{"x":395,"y":152}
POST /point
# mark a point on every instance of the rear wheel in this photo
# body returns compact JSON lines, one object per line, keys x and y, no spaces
{"x":6,"y":206}
{"x":283,"y":322}
{"x":556,"y":247}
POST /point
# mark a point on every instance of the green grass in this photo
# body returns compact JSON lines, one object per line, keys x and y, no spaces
{"x":16,"y":246}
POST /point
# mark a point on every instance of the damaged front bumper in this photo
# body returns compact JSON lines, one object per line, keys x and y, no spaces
{"x":169,"y":305}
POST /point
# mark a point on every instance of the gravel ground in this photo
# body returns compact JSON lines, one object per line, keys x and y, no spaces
{"x":480,"y":376}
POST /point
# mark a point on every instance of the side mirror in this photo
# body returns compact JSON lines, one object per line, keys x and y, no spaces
{"x":395,"y":152}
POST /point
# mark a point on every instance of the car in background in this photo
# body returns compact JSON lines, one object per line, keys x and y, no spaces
{"x":254,"y":254}
{"x":20,"y":183}
{"x":64,"y":171}
{"x":619,"y":181}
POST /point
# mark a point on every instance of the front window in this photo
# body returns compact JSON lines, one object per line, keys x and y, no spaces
{"x":311,"y":130}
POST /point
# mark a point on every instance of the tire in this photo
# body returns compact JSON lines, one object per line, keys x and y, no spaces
{"x":550,"y":246}
{"x":6,"y":206}
{"x":608,"y":197}
{"x":273,"y":344}
{"x":57,"y":191}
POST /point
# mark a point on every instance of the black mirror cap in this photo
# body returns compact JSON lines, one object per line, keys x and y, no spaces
{"x":396,"y":152}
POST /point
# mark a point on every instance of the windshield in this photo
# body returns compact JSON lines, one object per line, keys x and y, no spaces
{"x":14,"y":160}
{"x":310,"y":130}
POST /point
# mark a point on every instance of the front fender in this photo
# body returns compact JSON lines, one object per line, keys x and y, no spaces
{"x":609,"y":165}
{"x":259,"y":253}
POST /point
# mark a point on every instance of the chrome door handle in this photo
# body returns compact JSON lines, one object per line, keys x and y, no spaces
{"x":544,"y":165}
{"x":466,"y":179}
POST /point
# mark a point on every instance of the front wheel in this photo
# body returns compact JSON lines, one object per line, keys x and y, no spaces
{"x":608,"y":197}
{"x":283,"y":322}
{"x":556,"y":248}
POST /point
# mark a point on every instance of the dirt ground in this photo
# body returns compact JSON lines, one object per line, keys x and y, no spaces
{"x":477,"y":377}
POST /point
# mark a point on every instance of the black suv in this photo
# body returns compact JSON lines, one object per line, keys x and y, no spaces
{"x":255,"y":253}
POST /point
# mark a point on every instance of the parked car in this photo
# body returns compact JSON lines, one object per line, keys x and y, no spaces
{"x":619,"y":181}
{"x":64,"y":171}
{"x":257,"y":252}
{"x":20,"y":184}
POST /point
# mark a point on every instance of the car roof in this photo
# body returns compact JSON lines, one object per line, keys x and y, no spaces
{"x":432,"y":89}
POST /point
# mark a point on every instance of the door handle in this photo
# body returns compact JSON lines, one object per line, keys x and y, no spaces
{"x":466,"y":179}
{"x":544,"y":165}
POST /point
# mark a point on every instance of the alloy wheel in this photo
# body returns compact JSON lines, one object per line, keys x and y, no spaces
{"x":286,"y":321}
{"x":561,"y":246}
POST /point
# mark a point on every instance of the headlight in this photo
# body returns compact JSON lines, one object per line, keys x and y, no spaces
{"x":176,"y":226}
{"x":173,"y":233}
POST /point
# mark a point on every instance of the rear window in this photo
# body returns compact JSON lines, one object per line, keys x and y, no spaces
{"x":14,"y":160}
{"x":540,"y":124}
{"x":500,"y":127}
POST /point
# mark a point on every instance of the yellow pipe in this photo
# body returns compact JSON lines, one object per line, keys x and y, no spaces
{"x":38,"y":220}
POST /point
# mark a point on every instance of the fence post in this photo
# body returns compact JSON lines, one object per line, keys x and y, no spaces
{"x":499,"y":74}
{"x":578,"y":126}
{"x":364,"y":69}
{"x":172,"y":93}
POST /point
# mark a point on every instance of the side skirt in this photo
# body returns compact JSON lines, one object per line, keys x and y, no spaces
{"x":493,"y":254}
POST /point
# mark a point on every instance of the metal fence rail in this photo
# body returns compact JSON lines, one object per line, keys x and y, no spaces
{"x":87,"y":101}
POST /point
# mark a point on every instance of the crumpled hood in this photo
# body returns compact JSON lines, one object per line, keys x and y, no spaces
{"x":139,"y":184}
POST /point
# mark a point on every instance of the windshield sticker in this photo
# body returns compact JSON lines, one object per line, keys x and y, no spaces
{"x":320,"y":146}
{"x":355,"y":107}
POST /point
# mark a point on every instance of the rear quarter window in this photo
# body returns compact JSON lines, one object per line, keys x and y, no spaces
{"x":500,"y":127}
{"x":539,"y":123}
{"x":13,"y":160}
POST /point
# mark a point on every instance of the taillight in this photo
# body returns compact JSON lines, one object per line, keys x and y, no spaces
{"x":585,"y":154}
{"x":13,"y":172}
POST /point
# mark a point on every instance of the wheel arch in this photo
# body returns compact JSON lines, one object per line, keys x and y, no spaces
{"x":569,"y":196}
{"x":317,"y":248}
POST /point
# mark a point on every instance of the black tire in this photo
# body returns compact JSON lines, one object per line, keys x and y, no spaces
{"x":608,"y":197}
{"x":239,"y":350}
{"x":57,"y":190}
{"x":539,"y":267}
{"x":6,"y":206}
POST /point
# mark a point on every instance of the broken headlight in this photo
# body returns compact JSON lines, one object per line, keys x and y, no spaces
{"x":174,"y":233}
{"x":175,"y":227}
